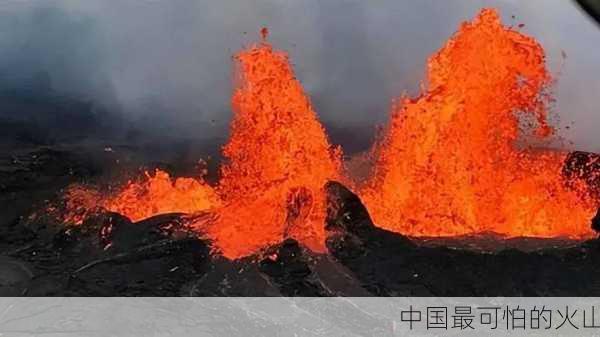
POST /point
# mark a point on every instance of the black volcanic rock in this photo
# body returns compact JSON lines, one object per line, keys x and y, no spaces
{"x":376,"y":256}
{"x":92,"y":236}
{"x":108,"y":255}
{"x":288,"y":265}
{"x":15,"y":276}
{"x":350,"y":229}
{"x":285,"y":269}
{"x":113,"y":233}
{"x":345,"y":210}
{"x":596,"y":222}
{"x":237,"y":278}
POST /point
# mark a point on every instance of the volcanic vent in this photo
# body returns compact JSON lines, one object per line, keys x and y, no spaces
{"x":453,"y":161}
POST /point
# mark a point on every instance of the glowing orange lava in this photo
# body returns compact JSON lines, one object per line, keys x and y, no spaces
{"x":154,"y":194}
{"x":450,"y":164}
{"x":278,"y":160}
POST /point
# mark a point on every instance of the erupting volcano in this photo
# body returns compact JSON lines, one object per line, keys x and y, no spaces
{"x":453,"y":160}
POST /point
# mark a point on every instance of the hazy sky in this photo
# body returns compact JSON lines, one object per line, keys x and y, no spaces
{"x":171,"y":60}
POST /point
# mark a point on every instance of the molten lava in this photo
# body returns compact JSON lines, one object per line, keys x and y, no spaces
{"x":159,"y":194}
{"x":449,"y":163}
{"x":278,"y":160}
{"x":154,"y":194}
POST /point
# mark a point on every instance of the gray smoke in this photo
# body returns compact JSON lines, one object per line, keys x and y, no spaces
{"x":165,"y":66}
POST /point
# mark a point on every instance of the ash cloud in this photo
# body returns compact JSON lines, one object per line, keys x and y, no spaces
{"x":165,"y":68}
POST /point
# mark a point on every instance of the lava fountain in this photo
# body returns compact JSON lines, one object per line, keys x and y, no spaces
{"x":278,"y":159}
{"x":450,"y":162}
{"x":277,"y":162}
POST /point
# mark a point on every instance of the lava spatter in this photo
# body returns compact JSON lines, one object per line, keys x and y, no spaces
{"x":449,"y":163}
{"x":152,"y":194}
{"x":277,"y":160}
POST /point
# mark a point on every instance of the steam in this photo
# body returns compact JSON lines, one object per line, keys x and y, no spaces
{"x":165,"y":66}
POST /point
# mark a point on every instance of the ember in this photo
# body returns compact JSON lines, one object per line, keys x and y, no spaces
{"x":449,"y":163}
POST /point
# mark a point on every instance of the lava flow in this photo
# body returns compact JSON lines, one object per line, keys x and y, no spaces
{"x":139,"y":199}
{"x":450,"y":164}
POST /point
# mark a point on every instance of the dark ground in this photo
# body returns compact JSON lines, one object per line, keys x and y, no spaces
{"x":160,"y":257}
